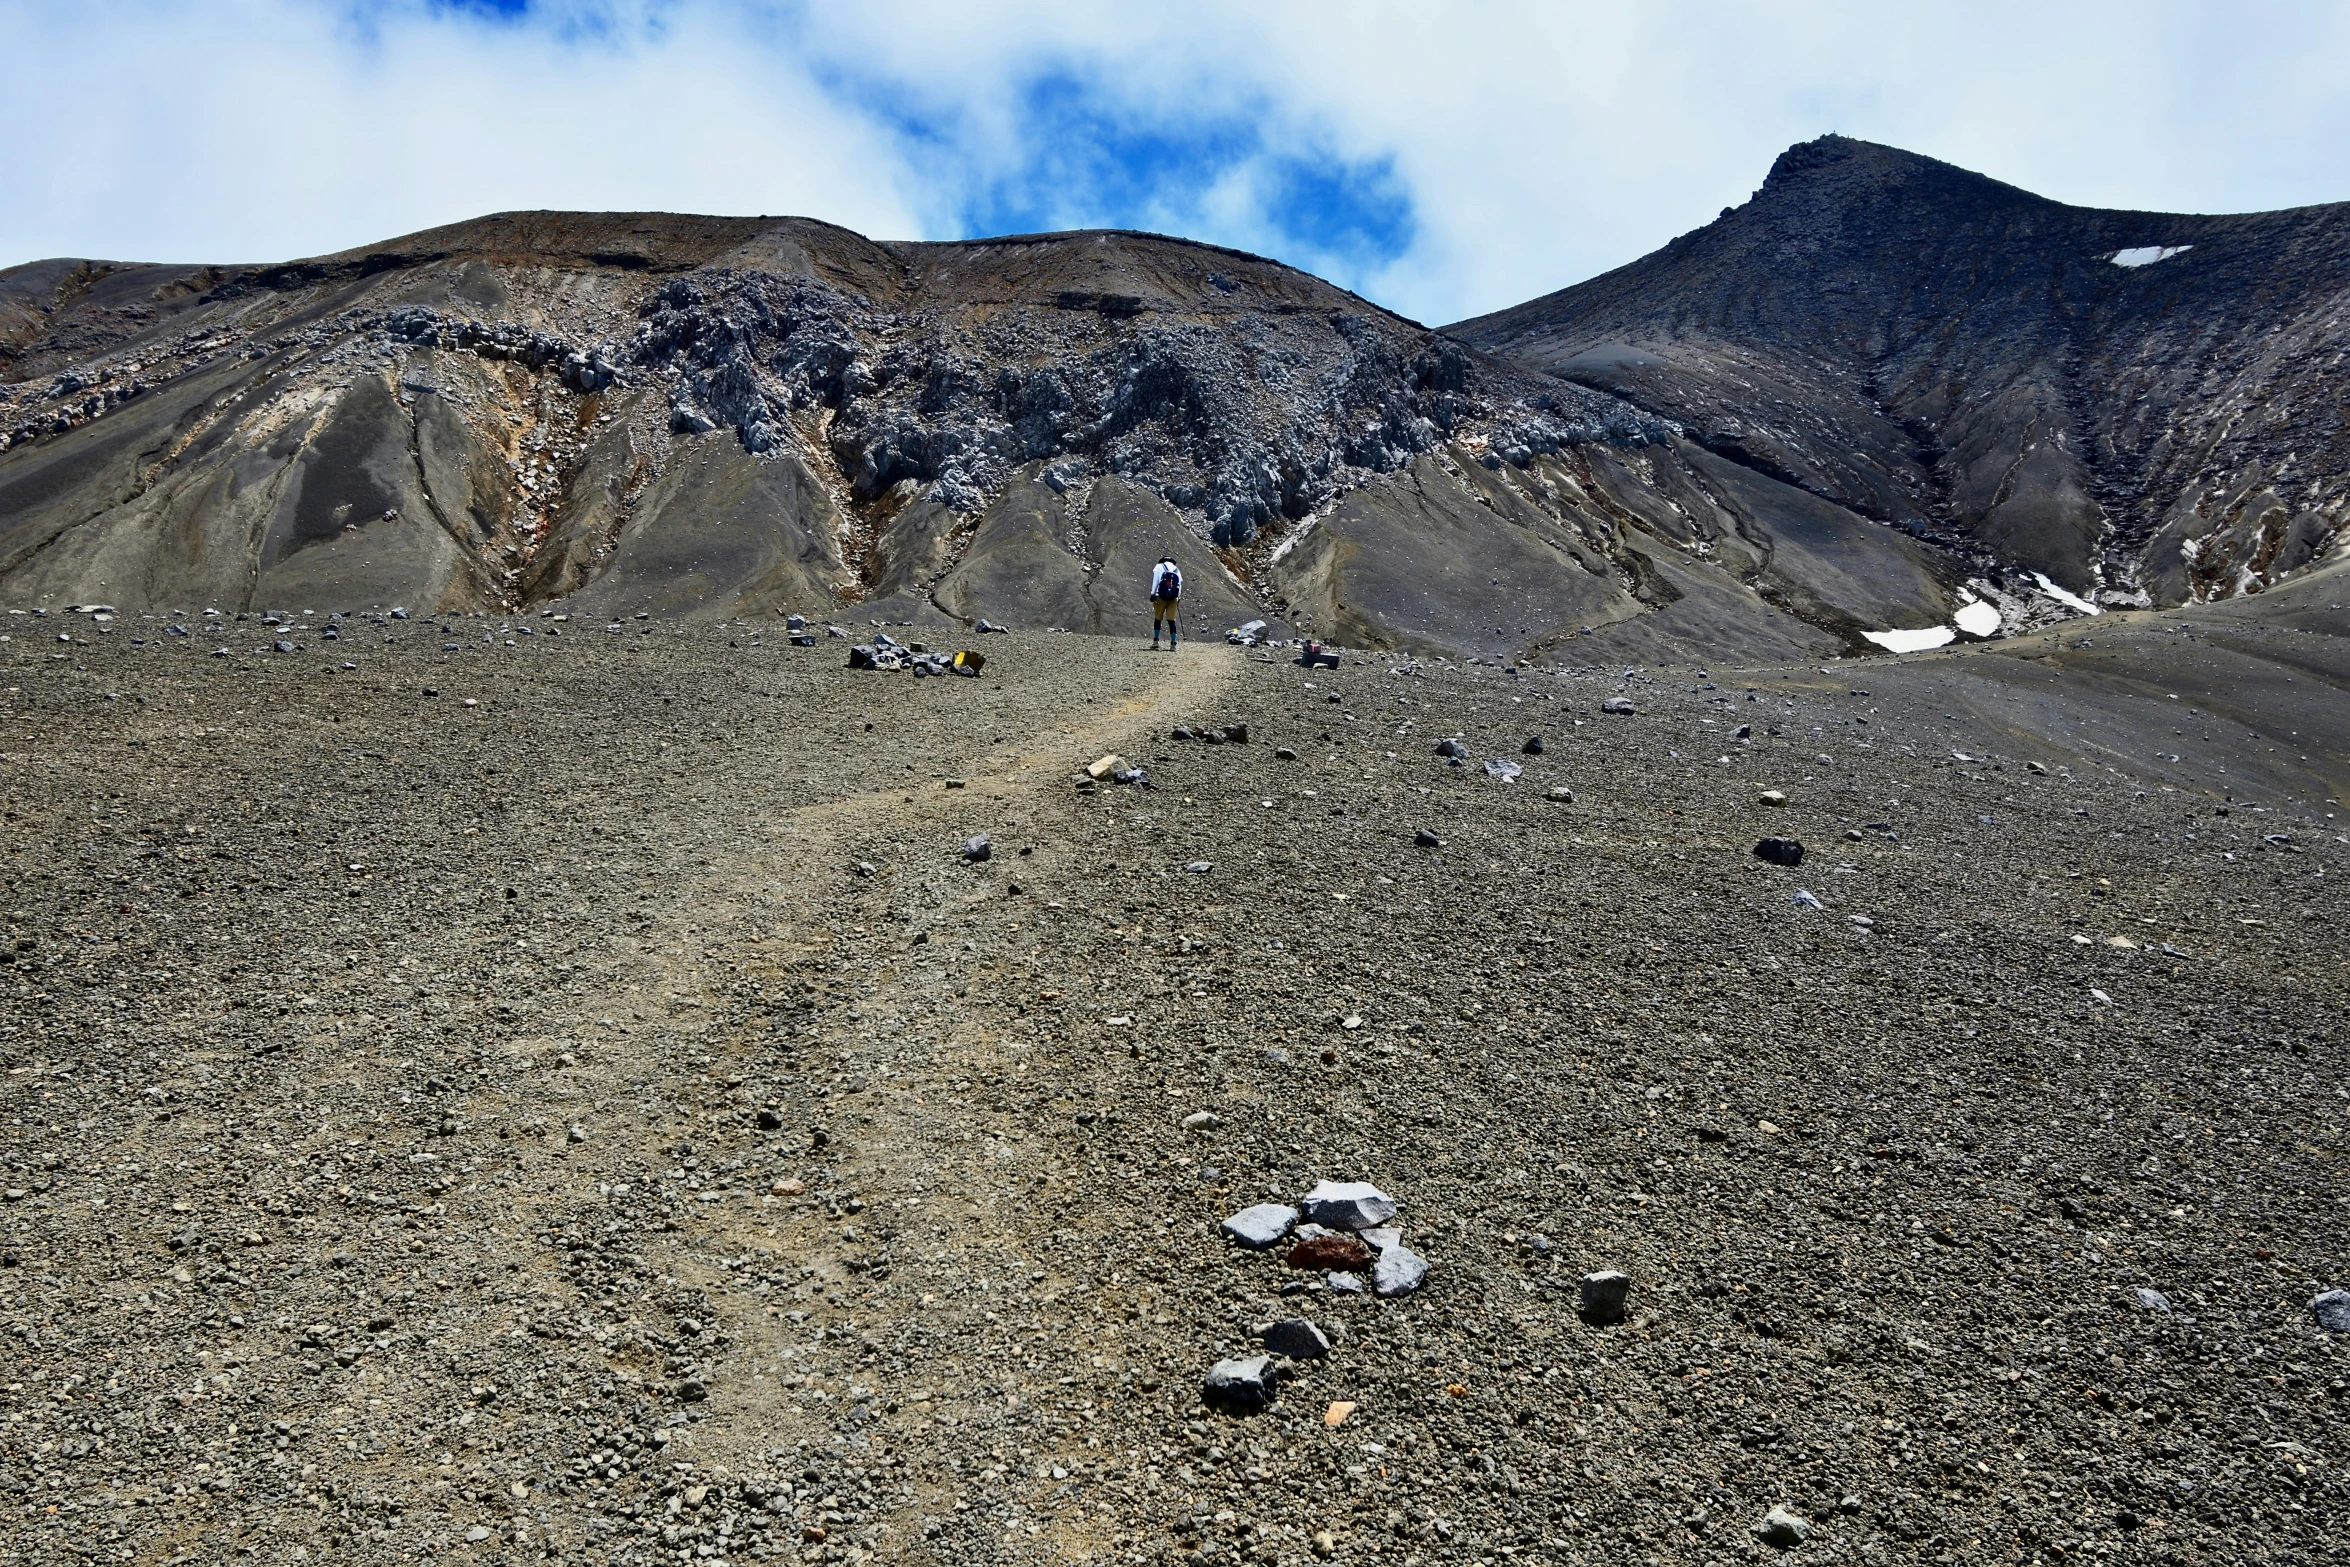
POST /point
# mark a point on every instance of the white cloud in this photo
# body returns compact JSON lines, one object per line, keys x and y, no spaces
{"x":256,"y":130}
{"x":1538,"y":143}
{"x":1544,"y":143}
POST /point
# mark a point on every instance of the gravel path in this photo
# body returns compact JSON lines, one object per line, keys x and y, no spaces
{"x":616,"y":1121}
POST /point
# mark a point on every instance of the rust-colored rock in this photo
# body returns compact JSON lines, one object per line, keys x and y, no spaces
{"x":1332,"y":1253}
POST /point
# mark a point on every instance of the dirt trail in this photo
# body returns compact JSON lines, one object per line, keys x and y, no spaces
{"x":915,"y":1157}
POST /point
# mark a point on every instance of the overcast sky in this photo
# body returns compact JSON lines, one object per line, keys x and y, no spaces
{"x":1443,"y":159}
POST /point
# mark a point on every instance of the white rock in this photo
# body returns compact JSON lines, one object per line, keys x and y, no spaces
{"x":1262,"y":1225}
{"x":1399,"y":1270}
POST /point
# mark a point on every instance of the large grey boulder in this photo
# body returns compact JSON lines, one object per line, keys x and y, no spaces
{"x":1240,"y":1387}
{"x":1347,"y":1205}
{"x":1783,"y":1529}
{"x":1297,"y":1339}
{"x":1603,"y":1296}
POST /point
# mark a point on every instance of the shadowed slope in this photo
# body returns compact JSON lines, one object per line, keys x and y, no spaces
{"x":1914,"y":341}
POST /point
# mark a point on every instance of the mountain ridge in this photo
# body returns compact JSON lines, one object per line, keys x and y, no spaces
{"x":1758,"y":441}
{"x":1970,"y":355}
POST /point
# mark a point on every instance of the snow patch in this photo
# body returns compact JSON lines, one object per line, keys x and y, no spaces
{"x":1977,"y":618}
{"x":2069,"y":600}
{"x":1912,"y":641}
{"x":2147,"y":255}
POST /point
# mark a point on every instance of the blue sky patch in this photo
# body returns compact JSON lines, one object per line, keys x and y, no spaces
{"x":1082,"y":160}
{"x":1360,"y":211}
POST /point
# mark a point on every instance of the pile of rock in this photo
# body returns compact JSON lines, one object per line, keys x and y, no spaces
{"x":1227,"y":734}
{"x":885,"y":652}
{"x":583,"y":369}
{"x":1113,"y":769}
{"x":1343,"y":1230}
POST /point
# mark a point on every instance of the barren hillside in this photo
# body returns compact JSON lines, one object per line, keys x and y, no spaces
{"x":2148,"y":407}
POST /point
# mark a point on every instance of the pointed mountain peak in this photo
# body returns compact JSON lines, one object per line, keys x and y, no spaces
{"x":1841,"y":169}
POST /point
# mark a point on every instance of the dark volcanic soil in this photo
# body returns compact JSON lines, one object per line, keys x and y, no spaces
{"x":2132,"y":401}
{"x":512,"y":1122}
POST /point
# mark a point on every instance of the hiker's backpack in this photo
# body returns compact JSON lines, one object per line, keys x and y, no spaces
{"x":1169,"y":583}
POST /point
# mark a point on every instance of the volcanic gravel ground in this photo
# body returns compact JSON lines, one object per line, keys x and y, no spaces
{"x":613,"y":1121}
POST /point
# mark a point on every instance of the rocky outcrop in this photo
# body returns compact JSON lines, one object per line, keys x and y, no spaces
{"x":720,"y":416}
{"x":1238,"y":416}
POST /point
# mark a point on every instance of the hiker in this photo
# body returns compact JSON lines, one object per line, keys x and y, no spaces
{"x":1166,"y":589}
